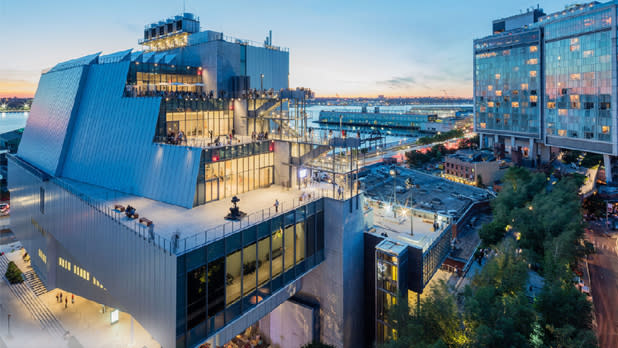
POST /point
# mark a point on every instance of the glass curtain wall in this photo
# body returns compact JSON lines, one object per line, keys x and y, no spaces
{"x":578,"y":86}
{"x":219,"y":282}
{"x":508,"y":86}
{"x":386,"y":294}
{"x":225,"y":174}
{"x":207,"y":119}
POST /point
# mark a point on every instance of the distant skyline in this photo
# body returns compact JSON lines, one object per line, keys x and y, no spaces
{"x":345,"y":48}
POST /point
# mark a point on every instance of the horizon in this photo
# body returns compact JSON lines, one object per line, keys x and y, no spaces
{"x":400,"y":51}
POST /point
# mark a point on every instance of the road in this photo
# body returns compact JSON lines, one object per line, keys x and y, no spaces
{"x":603,"y":267}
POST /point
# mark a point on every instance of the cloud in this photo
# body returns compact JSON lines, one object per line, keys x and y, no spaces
{"x":398,"y":82}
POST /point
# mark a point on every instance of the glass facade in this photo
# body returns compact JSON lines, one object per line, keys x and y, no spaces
{"x":578,"y":82}
{"x":220,"y":281}
{"x":387,"y":288}
{"x":228,"y":171}
{"x":151,"y":79}
{"x":203,"y":118}
{"x":507,"y":84}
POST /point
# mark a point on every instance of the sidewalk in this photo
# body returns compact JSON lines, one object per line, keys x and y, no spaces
{"x":84,"y":319}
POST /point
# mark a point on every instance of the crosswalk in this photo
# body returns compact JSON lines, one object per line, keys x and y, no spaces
{"x":31,"y":302}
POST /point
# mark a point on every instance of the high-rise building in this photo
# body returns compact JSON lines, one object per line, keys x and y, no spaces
{"x":549,"y":82}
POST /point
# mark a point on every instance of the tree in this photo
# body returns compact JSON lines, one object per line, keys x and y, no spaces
{"x":437,"y":323}
{"x":497,"y":311}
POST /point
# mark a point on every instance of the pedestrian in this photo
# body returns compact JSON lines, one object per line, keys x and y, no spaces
{"x":57,"y":298}
{"x":276,"y":205}
{"x":72,"y":298}
{"x":66,"y":302}
{"x":60,"y":297}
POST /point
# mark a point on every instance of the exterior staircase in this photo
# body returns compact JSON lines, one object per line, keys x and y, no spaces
{"x":35,"y":283}
{"x":39,"y":311}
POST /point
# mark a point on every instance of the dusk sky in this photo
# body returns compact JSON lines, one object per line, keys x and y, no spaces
{"x":350,"y":48}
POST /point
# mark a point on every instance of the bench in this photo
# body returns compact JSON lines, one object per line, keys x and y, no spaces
{"x":119,"y":207}
{"x":145,"y":221}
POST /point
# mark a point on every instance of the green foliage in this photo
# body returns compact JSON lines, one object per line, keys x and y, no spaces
{"x":453,"y":133}
{"x":437,"y":323}
{"x":13,"y":273}
{"x":497,"y":312}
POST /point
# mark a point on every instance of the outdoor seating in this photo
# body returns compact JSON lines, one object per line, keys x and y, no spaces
{"x":119,"y":208}
{"x":145,"y":221}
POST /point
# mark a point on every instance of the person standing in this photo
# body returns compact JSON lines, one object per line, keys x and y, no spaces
{"x":72,"y":298}
{"x":66,"y":302}
{"x":60,"y":297}
{"x":276,"y":205}
{"x":57,"y":298}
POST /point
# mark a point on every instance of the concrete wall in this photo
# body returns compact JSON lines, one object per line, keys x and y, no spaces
{"x":338,"y":282}
{"x":289,"y":326}
{"x":282,"y":159}
{"x":137,"y":274}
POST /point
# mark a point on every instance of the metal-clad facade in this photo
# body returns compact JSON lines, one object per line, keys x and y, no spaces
{"x":138,"y":275}
{"x":274,"y":64}
{"x":49,"y":121}
{"x":112,"y":143}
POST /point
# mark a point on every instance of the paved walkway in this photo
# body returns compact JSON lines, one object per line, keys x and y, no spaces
{"x":38,"y":310}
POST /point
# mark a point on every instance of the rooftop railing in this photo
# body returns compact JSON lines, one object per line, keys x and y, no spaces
{"x":184,"y":245}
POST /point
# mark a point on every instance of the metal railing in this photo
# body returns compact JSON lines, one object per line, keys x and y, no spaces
{"x":197,"y":240}
{"x":147,"y":233}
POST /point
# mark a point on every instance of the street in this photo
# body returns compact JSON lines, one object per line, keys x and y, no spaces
{"x":603,"y":267}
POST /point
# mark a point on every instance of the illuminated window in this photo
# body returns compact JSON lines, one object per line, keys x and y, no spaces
{"x":534,"y":48}
{"x":574,"y":98}
{"x":524,"y":86}
{"x":605,"y":129}
{"x":506,"y":52}
{"x":574,"y":41}
{"x":483,"y":109}
{"x":42,"y":256}
{"x":534,"y":98}
{"x":499,"y":93}
{"x":533,"y":73}
{"x":575,"y":76}
{"x":574,"y":48}
{"x":483,"y":125}
{"x":497,"y":76}
{"x":507,"y":116}
{"x":532,"y":61}
{"x":490,"y":88}
{"x":562,"y":132}
{"x":490,"y":104}
{"x":515,"y":104}
{"x":562,"y":112}
{"x":588,"y":76}
{"x":588,"y":53}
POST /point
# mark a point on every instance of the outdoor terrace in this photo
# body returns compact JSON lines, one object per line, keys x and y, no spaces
{"x":202,"y":224}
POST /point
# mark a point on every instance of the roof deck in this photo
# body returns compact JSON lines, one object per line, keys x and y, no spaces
{"x":202,"y":224}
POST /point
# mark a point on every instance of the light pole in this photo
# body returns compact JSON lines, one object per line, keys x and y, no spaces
{"x":393,"y":173}
{"x":261,"y":82}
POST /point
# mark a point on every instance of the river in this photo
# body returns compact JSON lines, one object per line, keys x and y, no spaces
{"x":12,"y":120}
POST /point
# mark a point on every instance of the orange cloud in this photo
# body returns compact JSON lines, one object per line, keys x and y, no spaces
{"x":17,"y":88}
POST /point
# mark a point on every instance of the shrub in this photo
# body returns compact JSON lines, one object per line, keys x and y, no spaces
{"x":13,"y":274}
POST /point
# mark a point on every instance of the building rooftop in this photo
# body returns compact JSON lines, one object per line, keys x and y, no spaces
{"x":398,"y":228}
{"x":203,"y":223}
{"x":429,"y":192}
{"x":472,"y":156}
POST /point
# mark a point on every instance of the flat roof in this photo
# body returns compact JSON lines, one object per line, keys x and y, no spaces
{"x":169,"y":219}
{"x":398,"y":228}
{"x":433,"y":193}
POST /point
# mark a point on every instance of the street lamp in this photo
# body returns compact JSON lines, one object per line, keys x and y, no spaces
{"x":261,"y":82}
{"x":393,"y":173}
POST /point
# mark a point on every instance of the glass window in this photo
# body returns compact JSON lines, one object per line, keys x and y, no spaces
{"x":216,"y":286}
{"x":277,"y":253}
{"x":249,"y":268}
{"x":300,"y":241}
{"x":232,"y":278}
{"x":288,"y":252}
{"x":196,"y":297}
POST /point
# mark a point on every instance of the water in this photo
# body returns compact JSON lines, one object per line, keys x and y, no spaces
{"x":313,"y":112}
{"x":12,"y":120}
